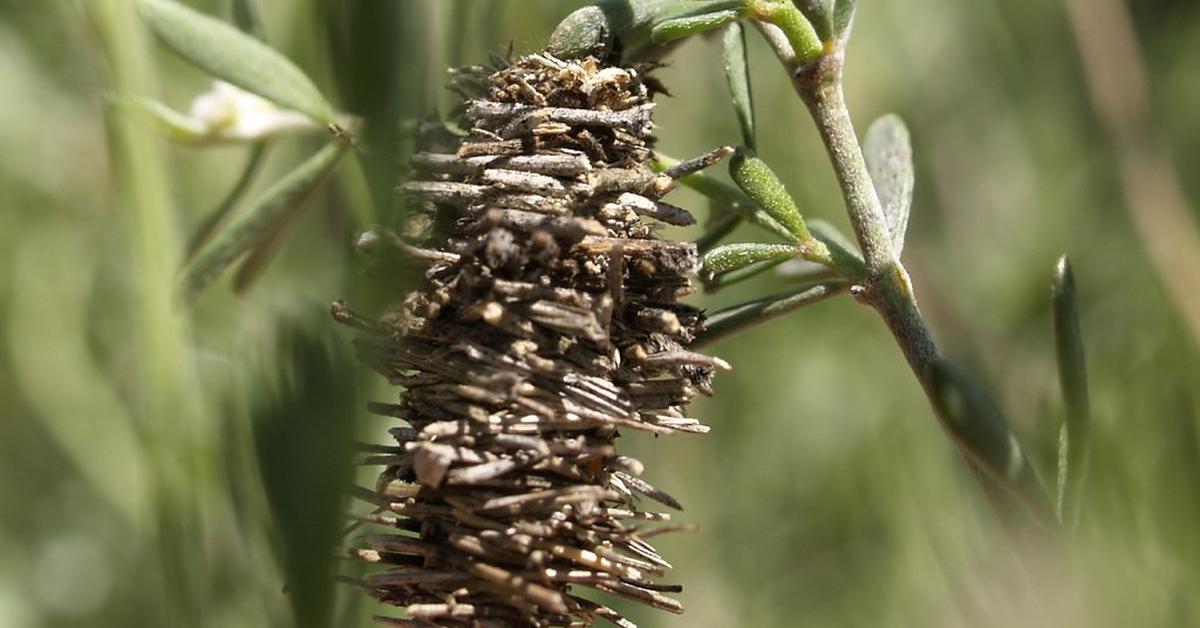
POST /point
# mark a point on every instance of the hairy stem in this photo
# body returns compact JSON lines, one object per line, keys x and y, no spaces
{"x":963,"y":410}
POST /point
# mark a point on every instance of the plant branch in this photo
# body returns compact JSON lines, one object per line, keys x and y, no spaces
{"x":969,"y":417}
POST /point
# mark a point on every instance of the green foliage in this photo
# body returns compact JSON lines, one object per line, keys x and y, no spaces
{"x":737,"y":74}
{"x":230,"y":54}
{"x":683,"y":19}
{"x":1072,"y":377}
{"x":266,"y":216}
{"x":888,"y":151}
{"x":730,"y":257}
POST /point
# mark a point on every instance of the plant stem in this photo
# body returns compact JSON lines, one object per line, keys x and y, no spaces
{"x":979,"y":431}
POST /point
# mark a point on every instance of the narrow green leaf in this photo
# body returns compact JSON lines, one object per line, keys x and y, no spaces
{"x":1072,"y":378}
{"x":737,"y":74}
{"x":720,"y":224}
{"x":689,"y":18}
{"x":264,"y":216}
{"x":844,"y":253}
{"x":204,"y":232}
{"x":731,"y":257}
{"x":843,"y":15}
{"x":178,"y":127}
{"x":818,"y":13}
{"x":976,"y":424}
{"x":234,"y":56}
{"x":727,"y":198}
{"x":759,"y":182}
{"x":888,"y":151}
{"x":739,"y":318}
{"x":806,"y":41}
{"x":748,"y":272}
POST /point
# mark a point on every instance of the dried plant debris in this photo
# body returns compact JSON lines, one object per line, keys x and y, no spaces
{"x":548,"y":323}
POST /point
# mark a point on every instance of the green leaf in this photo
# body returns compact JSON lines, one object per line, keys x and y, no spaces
{"x":215,"y":219}
{"x":843,"y":15}
{"x":1072,"y":377}
{"x":818,"y":13}
{"x":595,"y":29}
{"x":719,"y":225}
{"x":737,"y":75}
{"x":726,"y":198}
{"x":234,"y":56}
{"x":305,"y":457}
{"x":689,"y":18}
{"x":888,"y":151}
{"x":759,"y":182}
{"x":738,"y":318}
{"x":731,"y":257}
{"x":265,"y":216}
{"x":178,"y":127}
{"x":977,"y":426}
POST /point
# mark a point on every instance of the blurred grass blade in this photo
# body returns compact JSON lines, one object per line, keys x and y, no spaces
{"x":204,"y":232}
{"x":888,"y":152}
{"x":819,"y":15}
{"x":303,"y":438}
{"x":245,"y":17}
{"x":975,"y":423}
{"x":234,"y":56}
{"x":730,"y":257}
{"x":1072,"y":377}
{"x":177,"y":126}
{"x":254,"y":263}
{"x":741,"y":317}
{"x":595,"y":29}
{"x":737,"y":74}
{"x":264,"y":217}
{"x":683,"y":19}
{"x":843,"y":14}
{"x":759,"y":183}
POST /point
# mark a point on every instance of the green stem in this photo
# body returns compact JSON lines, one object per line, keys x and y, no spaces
{"x":741,"y":317}
{"x":980,"y":433}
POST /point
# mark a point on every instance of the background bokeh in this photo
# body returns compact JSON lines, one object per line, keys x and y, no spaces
{"x":160,"y":465}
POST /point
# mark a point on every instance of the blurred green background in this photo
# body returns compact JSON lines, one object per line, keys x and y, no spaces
{"x":159,"y":464}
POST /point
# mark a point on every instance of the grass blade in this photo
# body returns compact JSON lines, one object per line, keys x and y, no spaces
{"x":1072,"y":377}
{"x":737,"y":74}
{"x":888,"y":152}
{"x":234,"y":56}
{"x":261,"y":220}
